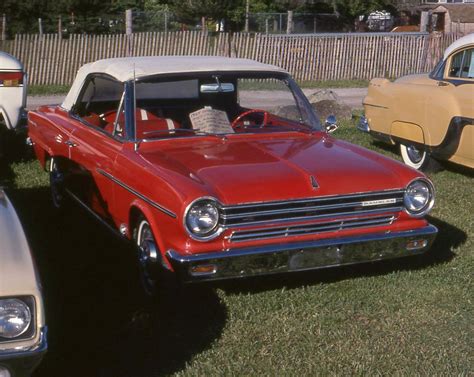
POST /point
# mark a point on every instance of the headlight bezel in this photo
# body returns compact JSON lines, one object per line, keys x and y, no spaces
{"x":215,"y":231}
{"x":430,"y":202}
{"x":30,"y":330}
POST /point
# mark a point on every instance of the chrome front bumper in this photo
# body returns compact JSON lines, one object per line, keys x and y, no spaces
{"x":23,"y":360}
{"x":281,"y":258}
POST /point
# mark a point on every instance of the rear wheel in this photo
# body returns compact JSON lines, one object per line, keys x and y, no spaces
{"x":417,"y":158}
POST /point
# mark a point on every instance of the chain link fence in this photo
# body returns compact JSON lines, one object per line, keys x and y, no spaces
{"x":302,"y":23}
{"x":159,"y":21}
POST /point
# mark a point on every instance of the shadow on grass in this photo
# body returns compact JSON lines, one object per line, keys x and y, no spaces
{"x":458,"y":169}
{"x":99,"y":322}
{"x":449,"y":237}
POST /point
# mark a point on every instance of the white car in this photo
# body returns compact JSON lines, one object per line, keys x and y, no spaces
{"x":13,"y":88}
{"x":22,"y":324}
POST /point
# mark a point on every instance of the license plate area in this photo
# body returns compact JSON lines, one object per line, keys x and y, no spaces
{"x":309,"y":258}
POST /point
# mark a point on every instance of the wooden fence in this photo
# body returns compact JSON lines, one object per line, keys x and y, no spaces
{"x":51,"y":60}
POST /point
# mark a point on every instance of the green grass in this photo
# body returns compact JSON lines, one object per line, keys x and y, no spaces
{"x":404,"y":318}
{"x":47,"y":90}
{"x":334,"y":84}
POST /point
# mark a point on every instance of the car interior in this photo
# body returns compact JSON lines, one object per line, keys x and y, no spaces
{"x":162,"y":107}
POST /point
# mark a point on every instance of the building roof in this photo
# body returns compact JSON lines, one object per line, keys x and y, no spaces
{"x":463,"y":13}
{"x":124,"y":69}
{"x":461,"y":42}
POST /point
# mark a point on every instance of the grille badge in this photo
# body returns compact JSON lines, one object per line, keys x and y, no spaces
{"x":314,"y":182}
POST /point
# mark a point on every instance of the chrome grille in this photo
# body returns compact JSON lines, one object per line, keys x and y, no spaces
{"x":360,"y":205}
{"x":297,"y":230}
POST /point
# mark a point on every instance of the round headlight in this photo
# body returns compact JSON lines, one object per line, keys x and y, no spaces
{"x":15,"y":318}
{"x":419,"y":197}
{"x":202,"y":219}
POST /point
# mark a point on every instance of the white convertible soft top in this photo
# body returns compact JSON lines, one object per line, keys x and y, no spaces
{"x":461,"y":42}
{"x":124,"y":69}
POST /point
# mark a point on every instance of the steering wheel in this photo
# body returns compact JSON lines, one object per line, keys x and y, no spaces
{"x":238,"y":121}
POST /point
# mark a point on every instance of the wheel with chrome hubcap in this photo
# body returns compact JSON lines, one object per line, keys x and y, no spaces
{"x":148,"y":257}
{"x":417,"y":158}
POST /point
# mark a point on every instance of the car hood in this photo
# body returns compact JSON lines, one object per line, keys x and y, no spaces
{"x":242,"y":169}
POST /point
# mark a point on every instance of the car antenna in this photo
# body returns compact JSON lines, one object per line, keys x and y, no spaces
{"x":136,"y":142}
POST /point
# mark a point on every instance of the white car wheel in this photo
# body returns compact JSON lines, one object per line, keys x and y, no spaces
{"x":414,"y":157}
{"x":147,"y":257}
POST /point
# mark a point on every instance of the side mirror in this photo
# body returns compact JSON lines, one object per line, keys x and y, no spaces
{"x":331,"y":124}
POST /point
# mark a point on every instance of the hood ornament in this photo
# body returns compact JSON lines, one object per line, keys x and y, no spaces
{"x":314,"y":182}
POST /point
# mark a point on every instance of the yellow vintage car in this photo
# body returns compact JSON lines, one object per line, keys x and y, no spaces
{"x":431,"y":116}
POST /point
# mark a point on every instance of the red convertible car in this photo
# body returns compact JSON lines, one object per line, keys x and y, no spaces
{"x":213,"y":179}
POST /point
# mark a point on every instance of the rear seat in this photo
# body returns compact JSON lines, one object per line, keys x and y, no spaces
{"x":147,"y":123}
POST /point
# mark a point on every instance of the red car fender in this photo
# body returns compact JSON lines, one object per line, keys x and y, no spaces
{"x":150,"y":216}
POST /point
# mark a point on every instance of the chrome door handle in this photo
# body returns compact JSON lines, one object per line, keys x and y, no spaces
{"x":70,"y":143}
{"x":442,"y":83}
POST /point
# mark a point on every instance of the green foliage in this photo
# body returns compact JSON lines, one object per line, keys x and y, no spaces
{"x":191,"y":11}
{"x":350,"y":9}
{"x":106,"y":16}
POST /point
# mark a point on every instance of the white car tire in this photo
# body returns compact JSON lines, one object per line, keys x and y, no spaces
{"x":416,"y":158}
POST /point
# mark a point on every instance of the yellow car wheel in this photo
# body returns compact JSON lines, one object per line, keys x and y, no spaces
{"x":417,"y":158}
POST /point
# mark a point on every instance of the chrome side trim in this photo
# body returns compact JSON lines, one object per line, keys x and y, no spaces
{"x":136,"y":193}
{"x":95,"y":215}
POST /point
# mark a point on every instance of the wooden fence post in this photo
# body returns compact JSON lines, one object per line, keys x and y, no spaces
{"x":129,"y":31}
{"x":60,"y":27}
{"x":40,"y":26}
{"x":289,"y":24}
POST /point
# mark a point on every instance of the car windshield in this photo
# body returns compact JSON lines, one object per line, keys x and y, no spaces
{"x":220,"y":104}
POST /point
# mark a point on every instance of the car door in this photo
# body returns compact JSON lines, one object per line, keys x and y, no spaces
{"x":94,"y":147}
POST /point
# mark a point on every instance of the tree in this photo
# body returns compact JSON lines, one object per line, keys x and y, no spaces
{"x":191,"y":11}
{"x":350,"y":9}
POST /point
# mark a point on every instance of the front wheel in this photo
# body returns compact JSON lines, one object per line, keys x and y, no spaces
{"x":148,"y":257}
{"x":56,"y":182}
{"x":417,"y":158}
